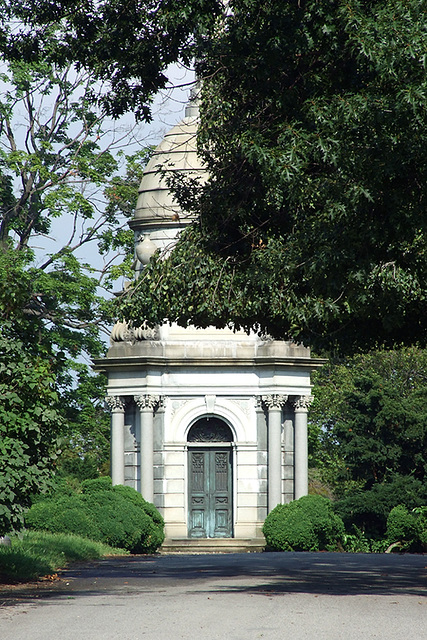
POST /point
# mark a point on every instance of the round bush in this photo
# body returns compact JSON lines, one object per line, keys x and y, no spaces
{"x":401,"y":525}
{"x":103,"y":483}
{"x":409,"y":529}
{"x":118,"y":516}
{"x":155,"y":534}
{"x":307,"y":524}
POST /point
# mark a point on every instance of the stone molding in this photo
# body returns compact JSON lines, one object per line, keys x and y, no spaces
{"x":303,"y":403}
{"x":115,"y":403}
{"x":274,"y":401}
{"x":122,"y":332}
{"x":147,"y":402}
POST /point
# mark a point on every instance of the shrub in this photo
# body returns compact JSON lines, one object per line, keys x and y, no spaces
{"x":117,"y":516}
{"x":401,"y":526}
{"x":307,"y":524}
{"x":407,"y":530}
{"x":156,"y":523}
{"x":368,"y":510}
{"x":103,"y":483}
{"x":421,"y":513}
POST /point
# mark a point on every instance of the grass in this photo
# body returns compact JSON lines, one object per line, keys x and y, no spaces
{"x":36,"y":554}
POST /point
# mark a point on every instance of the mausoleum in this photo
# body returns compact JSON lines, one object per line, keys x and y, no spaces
{"x":209,"y":424}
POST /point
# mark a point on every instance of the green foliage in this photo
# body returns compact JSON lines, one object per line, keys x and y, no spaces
{"x":85,"y":441}
{"x":157,"y":531}
{"x":71,"y":465}
{"x":407,"y":529}
{"x":121,"y":194}
{"x":29,"y":422}
{"x":126,"y":45}
{"x":307,"y":524}
{"x":356,"y":541}
{"x":36,"y":554}
{"x":401,"y":526}
{"x":312,"y":224}
{"x":368,"y":509}
{"x":103,"y":483}
{"x":55,"y":162}
{"x":370,"y":419}
{"x":368,"y":425}
{"x":421,"y":513}
{"x":117,"y":516}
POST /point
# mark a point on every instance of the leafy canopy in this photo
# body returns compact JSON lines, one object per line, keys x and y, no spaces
{"x":126,"y":45}
{"x":370,"y":417}
{"x":59,"y":188}
{"x":312,"y":225}
{"x":30,"y":420}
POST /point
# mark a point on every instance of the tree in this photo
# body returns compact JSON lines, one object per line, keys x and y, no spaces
{"x":312,"y":225}
{"x":369,"y":434}
{"x":370,"y":415}
{"x":66,"y":66}
{"x":85,"y":443}
{"x":56,"y":164}
{"x":126,"y":45}
{"x":29,"y":422}
{"x":30,"y":419}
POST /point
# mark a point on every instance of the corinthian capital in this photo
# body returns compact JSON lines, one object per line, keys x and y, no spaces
{"x":147,"y":401}
{"x":115,"y":403}
{"x":303,"y":403}
{"x":274,"y":401}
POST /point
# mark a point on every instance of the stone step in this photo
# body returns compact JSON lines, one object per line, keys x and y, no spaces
{"x":212,"y":545}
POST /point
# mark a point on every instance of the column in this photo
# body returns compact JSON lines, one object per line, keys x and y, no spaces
{"x":274,"y":404}
{"x":301,"y":446}
{"x":146,"y":404}
{"x":116,"y":404}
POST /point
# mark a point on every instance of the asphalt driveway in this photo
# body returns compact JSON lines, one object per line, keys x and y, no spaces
{"x":231,"y":596}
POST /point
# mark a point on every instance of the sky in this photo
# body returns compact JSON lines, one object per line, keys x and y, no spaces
{"x":168,"y":109}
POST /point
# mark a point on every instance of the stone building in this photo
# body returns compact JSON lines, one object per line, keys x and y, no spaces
{"x":210,"y":425}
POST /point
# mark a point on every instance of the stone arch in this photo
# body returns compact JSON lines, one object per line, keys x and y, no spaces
{"x":194,"y":409}
{"x":209,"y":429}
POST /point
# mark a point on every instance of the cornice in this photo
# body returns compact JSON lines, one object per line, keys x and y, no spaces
{"x":132,"y":362}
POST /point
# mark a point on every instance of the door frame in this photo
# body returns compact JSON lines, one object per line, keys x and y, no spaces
{"x":217,"y":446}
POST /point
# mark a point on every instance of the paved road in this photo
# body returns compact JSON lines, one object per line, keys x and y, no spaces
{"x":265,"y":596}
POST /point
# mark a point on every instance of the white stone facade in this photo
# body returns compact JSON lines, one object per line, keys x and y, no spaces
{"x":260,"y":389}
{"x":210,"y":425}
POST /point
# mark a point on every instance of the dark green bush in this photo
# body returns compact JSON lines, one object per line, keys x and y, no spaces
{"x":368,"y":510}
{"x":307,"y":524}
{"x":401,"y":526}
{"x":407,"y":529}
{"x":117,"y":516}
{"x":156,"y":532}
{"x":62,"y":515}
{"x":421,"y":513}
{"x":103,"y":483}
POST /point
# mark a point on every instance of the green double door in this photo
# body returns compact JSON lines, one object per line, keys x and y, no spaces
{"x":210,"y":493}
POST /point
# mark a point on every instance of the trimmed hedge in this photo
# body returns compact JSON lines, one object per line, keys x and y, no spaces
{"x":307,"y":524}
{"x":117,"y":516}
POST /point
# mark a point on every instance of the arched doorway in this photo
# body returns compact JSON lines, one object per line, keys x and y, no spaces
{"x":210,"y":481}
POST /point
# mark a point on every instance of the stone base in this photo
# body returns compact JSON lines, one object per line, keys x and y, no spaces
{"x":212,"y":545}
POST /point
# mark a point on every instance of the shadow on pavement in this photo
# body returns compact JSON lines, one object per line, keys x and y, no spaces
{"x":255,"y":573}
